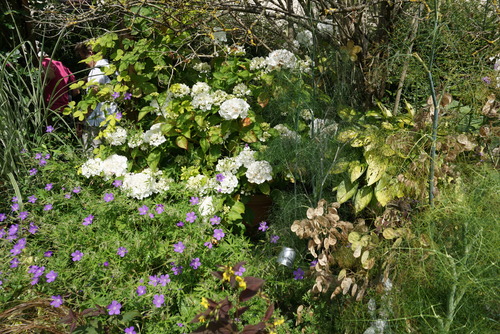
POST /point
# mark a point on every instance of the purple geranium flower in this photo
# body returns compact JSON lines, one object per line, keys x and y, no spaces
{"x":220,"y":177}
{"x":47,"y":207}
{"x":215,"y":220}
{"x":3,"y":216}
{"x":114,"y":308}
{"x":194,"y":200}
{"x":127,"y":96}
{"x":263,"y":226}
{"x":219,"y":234}
{"x":14,"y":207}
{"x":208,"y":244}
{"x":108,"y":197}
{"x":486,"y":80}
{"x":14,"y":262}
{"x":117,"y":183}
{"x":118,"y":116}
{"x":191,"y":217}
{"x":143,"y":210}
{"x":48,"y":254}
{"x":33,"y":228}
{"x":164,"y":279}
{"x":240,"y":271}
{"x":32,"y":199}
{"x":158,"y":300}
{"x":274,"y":239}
{"x":159,"y":208}
{"x":23,"y":215}
{"x":42,"y":162}
{"x":33,"y":171}
{"x":115,"y":95}
{"x":49,"y":129}
{"x":141,"y":289}
{"x":67,"y":196}
{"x":56,"y":301}
{"x":298,"y":274}
{"x":76,"y":190}
{"x":177,"y":270}
{"x":88,"y":220}
{"x":195,"y":263}
{"x":153,"y":280}
{"x":179,"y":247}
{"x":51,"y":276}
{"x":130,"y":330}
{"x":77,"y":255}
{"x":122,"y":251}
{"x":49,"y":186}
{"x":180,"y":224}
{"x":38,"y":156}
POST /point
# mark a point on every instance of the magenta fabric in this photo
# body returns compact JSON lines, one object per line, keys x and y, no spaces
{"x":56,"y":91}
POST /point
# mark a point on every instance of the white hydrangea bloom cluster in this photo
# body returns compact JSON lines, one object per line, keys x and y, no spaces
{"x":200,"y":87}
{"x":144,"y":184}
{"x":234,"y":108}
{"x":200,"y":184}
{"x":286,"y":132}
{"x":241,"y":90}
{"x":179,"y":90}
{"x":220,"y":96}
{"x":281,"y":59}
{"x":246,"y":157}
{"x":227,"y":165}
{"x":202,"y":67}
{"x":153,"y":136}
{"x":92,"y":167}
{"x":116,"y":138}
{"x":258,"y":63}
{"x":305,"y":38}
{"x":202,"y":101}
{"x":228,"y":184}
{"x":136,"y":140}
{"x":259,"y":172}
{"x":114,"y":165}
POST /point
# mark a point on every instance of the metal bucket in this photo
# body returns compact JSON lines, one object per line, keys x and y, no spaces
{"x":286,"y":256}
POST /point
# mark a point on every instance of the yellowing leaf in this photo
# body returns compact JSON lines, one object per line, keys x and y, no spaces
{"x":182,"y":142}
{"x":390,"y":233}
{"x":363,"y":198}
{"x":357,"y":169}
{"x":376,"y":168}
{"x":346,"y":190}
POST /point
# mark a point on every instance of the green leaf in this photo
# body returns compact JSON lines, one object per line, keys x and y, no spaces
{"x":376,"y":168}
{"x":236,"y":211}
{"x":249,"y":137}
{"x":346,"y":190}
{"x":265,"y":188}
{"x":182,"y":142}
{"x":384,"y":191}
{"x":357,"y":169}
{"x":205,"y":145}
{"x":363,"y":198}
{"x":128,"y":316}
{"x":154,"y":158}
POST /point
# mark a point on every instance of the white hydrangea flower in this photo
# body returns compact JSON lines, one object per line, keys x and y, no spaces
{"x":257,"y":63}
{"x":305,"y":38}
{"x":202,"y":67}
{"x":286,"y":132}
{"x":200,"y":87}
{"x":228,"y":184}
{"x":246,"y":157}
{"x":206,"y":206}
{"x":281,"y":58}
{"x":153,"y":136}
{"x":234,"y":108}
{"x":92,"y":167}
{"x":220,"y":96}
{"x":179,"y":90}
{"x":241,"y":90}
{"x":136,"y":140}
{"x":202,"y":101}
{"x":114,"y":165}
{"x":139,"y":185}
{"x":259,"y":172}
{"x":200,"y":184}
{"x":228,"y":165}
{"x":116,"y":138}
{"x":162,"y":185}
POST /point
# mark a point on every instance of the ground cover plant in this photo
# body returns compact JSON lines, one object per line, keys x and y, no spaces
{"x":360,"y":136}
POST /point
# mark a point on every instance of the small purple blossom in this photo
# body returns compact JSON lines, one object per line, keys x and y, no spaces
{"x":118,"y":116}
{"x":153,"y":280}
{"x":158,"y":300}
{"x":298,"y":274}
{"x":195,"y":263}
{"x":114,"y":308}
{"x":180,"y":324}
{"x":14,"y":207}
{"x":33,"y":228}
{"x":163,"y":280}
{"x":105,"y":264}
{"x":219,"y":234}
{"x":33,"y":171}
{"x":48,"y":254}
{"x":274,"y":239}
{"x":215,"y":220}
{"x":143,"y":210}
{"x":180,"y":224}
{"x":88,"y":220}
{"x":159,"y":208}
{"x":191,"y":217}
{"x":117,"y":183}
{"x":23,"y":215}
{"x":51,"y":276}
{"x":14,"y":262}
{"x":108,"y":197}
{"x":67,"y":196}
{"x":49,"y":129}
{"x":49,"y":186}
{"x":263,"y":226}
{"x":56,"y":301}
{"x":115,"y":95}
{"x":194,"y":200}
{"x":179,"y":247}
{"x":77,"y":255}
{"x":76,"y":190}
{"x":15,"y":199}
{"x":208,"y":244}
{"x":486,"y":80}
{"x":313,"y":263}
{"x":220,"y":177}
{"x":141,"y":289}
{"x":240,"y":271}
{"x":47,"y":207}
{"x":130,"y":330}
{"x":151,"y":215}
{"x":177,"y":270}
{"x":122,"y":251}
{"x":32,"y":199}
{"x":47,"y":156}
{"x":38,"y":156}
{"x":3,"y":216}
{"x":127,"y":96}
{"x":42,"y":162}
